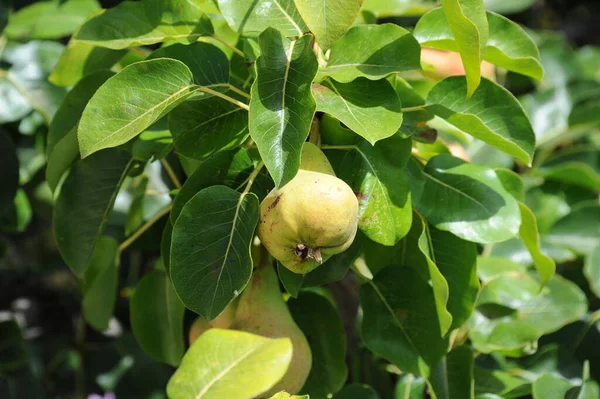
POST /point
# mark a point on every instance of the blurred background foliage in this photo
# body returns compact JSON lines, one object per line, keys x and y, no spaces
{"x":48,"y":351}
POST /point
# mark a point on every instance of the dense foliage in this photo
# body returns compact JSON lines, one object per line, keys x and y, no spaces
{"x":138,"y":142}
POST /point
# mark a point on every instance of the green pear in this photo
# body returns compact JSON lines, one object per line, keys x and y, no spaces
{"x":261,"y":310}
{"x":311,"y":218}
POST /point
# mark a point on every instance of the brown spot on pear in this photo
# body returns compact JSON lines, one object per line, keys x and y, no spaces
{"x":311,"y":218}
{"x":261,"y":310}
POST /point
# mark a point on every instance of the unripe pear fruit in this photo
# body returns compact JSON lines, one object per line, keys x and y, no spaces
{"x":311,"y":218}
{"x":261,"y":310}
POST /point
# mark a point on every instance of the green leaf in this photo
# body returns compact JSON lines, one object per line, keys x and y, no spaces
{"x":49,"y":19}
{"x":391,"y":49}
{"x":229,"y":168}
{"x":131,"y":101}
{"x":508,"y":6}
{"x":208,"y":64}
{"x":254,"y":16}
{"x":285,"y":395}
{"x":219,"y":357}
{"x":579,"y":231}
{"x":383,"y":189}
{"x":79,"y":60}
{"x":410,"y":387}
{"x":549,"y":386}
{"x":579,"y":166}
{"x":469,"y":25}
{"x":453,"y":376}
{"x":357,"y":391}
{"x":210,"y":248}
{"x":141,"y":23}
{"x":512,"y":183}
{"x":62,"y":149}
{"x":156,"y":315}
{"x":508,"y":46}
{"x":13,"y":105}
{"x":17,"y":216}
{"x":591,"y":270}
{"x":328,"y":19}
{"x":9,"y":172}
{"x":491,"y":382}
{"x":528,"y":232}
{"x":492,"y":114}
{"x":320,"y":322}
{"x":135,"y":214}
{"x":394,"y":8}
{"x":369,"y":108}
{"x":476,"y":207}
{"x":292,"y":282}
{"x":401,"y":325}
{"x":204,"y":126}
{"x":165,"y":245}
{"x":154,"y":143}
{"x":282,"y":105}
{"x":100,"y":283}
{"x":13,"y":351}
{"x":84,"y":204}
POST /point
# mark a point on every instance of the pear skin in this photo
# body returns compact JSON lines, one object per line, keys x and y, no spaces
{"x":311,"y":218}
{"x":262,"y":310}
{"x":224,"y":320}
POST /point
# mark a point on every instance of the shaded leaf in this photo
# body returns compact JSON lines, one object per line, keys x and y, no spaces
{"x":491,"y":114}
{"x":579,"y":231}
{"x":476,"y":206}
{"x":219,"y":357}
{"x":357,"y":391}
{"x":328,"y":19}
{"x":369,"y":108}
{"x":9,"y":172}
{"x":62,"y":148}
{"x":131,"y":101}
{"x":549,"y":386}
{"x":282,"y":105}
{"x":508,"y":45}
{"x":453,"y":376}
{"x":204,"y":126}
{"x":246,"y":16}
{"x":292,"y":282}
{"x":391,"y":49}
{"x":156,"y":315}
{"x":84,"y":204}
{"x":410,"y":387}
{"x":210,"y":250}
{"x":320,"y":322}
{"x":400,"y":325}
{"x":469,"y":25}
{"x":14,"y":353}
{"x":591,"y":269}
{"x":100,"y":283}
{"x":512,"y":183}
{"x":140,"y":23}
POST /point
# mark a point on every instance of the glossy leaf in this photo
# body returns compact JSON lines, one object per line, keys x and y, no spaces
{"x":512,"y":182}
{"x":491,"y":114}
{"x":469,"y":25}
{"x":282,"y":105}
{"x":131,"y":101}
{"x":508,"y":45}
{"x":453,"y":376}
{"x":100,"y":283}
{"x":320,"y":322}
{"x":549,"y":386}
{"x":9,"y":172}
{"x":477,"y":207}
{"x":49,"y":19}
{"x":254,"y":16}
{"x":391,"y":49}
{"x":328,"y":19}
{"x":410,"y":387}
{"x":204,"y":126}
{"x":400,"y":325}
{"x":230,"y":364}
{"x":140,"y":23}
{"x":383,"y":189}
{"x":156,"y":315}
{"x":369,"y":108}
{"x":62,"y":149}
{"x":210,"y":249}
{"x":84,"y":204}
{"x":528,"y":232}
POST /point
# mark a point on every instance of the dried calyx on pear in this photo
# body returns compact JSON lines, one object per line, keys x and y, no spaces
{"x":311,"y":218}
